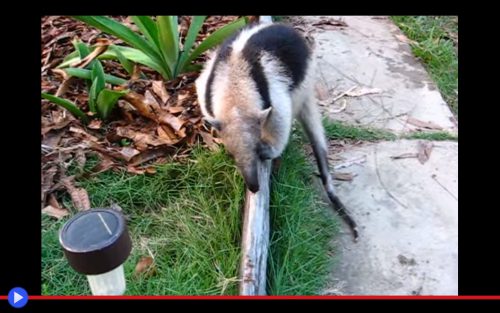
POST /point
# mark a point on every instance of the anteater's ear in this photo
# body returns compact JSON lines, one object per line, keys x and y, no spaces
{"x":264,"y":115}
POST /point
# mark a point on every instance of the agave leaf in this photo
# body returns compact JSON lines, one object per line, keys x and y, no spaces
{"x":98,"y":83}
{"x":127,"y":65}
{"x":194,"y":29}
{"x":87,"y":74}
{"x":148,"y":28}
{"x":106,"y":101}
{"x":122,"y":32}
{"x":168,"y":38}
{"x":68,"y":105}
{"x":217,"y":37}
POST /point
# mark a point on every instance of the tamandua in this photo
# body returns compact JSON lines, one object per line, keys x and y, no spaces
{"x":252,"y":88}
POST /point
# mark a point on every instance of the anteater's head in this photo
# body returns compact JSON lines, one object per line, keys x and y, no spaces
{"x":241,"y":133}
{"x":241,"y":127}
{"x":230,"y":101}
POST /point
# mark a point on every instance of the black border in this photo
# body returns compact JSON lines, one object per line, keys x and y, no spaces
{"x":21,"y":220}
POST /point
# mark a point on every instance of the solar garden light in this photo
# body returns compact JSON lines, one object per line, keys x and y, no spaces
{"x":96,"y":243}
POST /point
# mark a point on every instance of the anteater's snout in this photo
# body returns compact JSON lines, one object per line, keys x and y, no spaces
{"x":253,"y":186}
{"x":251,"y":178}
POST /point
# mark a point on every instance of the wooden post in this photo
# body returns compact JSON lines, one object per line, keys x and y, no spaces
{"x":255,"y":240}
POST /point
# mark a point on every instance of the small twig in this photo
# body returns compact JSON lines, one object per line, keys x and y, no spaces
{"x":405,"y":156}
{"x":344,"y":93}
{"x":342,"y":107}
{"x":358,"y":161}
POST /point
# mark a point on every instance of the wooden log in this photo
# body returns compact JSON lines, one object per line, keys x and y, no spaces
{"x":255,"y":240}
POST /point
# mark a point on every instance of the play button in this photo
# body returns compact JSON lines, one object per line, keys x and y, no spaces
{"x":18,"y":297}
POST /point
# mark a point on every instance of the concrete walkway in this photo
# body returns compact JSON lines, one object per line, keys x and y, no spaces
{"x":407,"y":210}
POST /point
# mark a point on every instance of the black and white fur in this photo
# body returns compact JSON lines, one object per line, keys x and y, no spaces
{"x":252,"y":88}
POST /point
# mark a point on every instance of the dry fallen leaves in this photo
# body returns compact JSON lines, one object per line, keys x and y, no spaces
{"x":149,"y":155}
{"x":110,"y":152}
{"x":65,"y":85}
{"x":173,"y":121}
{"x":134,"y":170}
{"x":52,"y":139}
{"x":58,"y":119}
{"x":424,"y":151}
{"x":160,"y":91}
{"x":142,"y":140}
{"x":54,"y":209}
{"x":145,"y":266}
{"x":47,"y":182}
{"x":157,"y":121}
{"x":142,"y":104}
{"x":167,"y":134}
{"x":58,"y":213}
{"x":83,"y":134}
{"x":128,"y":153}
{"x":175,"y":110}
{"x":148,"y":107}
{"x":422,"y":124}
{"x":95,"y":124}
{"x":343,"y":176}
{"x":330,"y":23}
{"x":80,"y":159}
{"x":79,"y":196}
{"x":105,"y":164}
{"x":209,"y":140}
{"x":102,"y":46}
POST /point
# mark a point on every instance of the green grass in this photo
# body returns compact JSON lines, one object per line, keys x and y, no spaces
{"x":435,"y":136}
{"x":436,"y":43}
{"x":301,"y":228}
{"x":339,"y":130}
{"x":188,"y":216}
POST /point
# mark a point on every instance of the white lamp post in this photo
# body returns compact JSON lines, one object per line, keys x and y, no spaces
{"x":96,"y":243}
